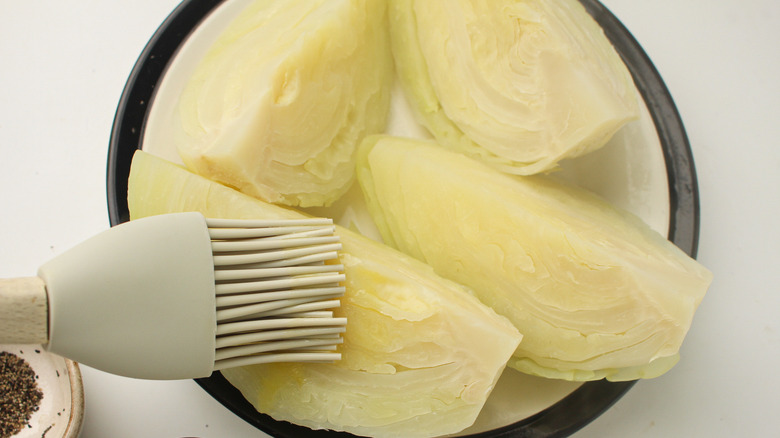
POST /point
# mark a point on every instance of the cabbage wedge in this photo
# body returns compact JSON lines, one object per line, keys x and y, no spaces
{"x":280,"y":101}
{"x":420,"y":355}
{"x":520,"y":84}
{"x":595,"y":292}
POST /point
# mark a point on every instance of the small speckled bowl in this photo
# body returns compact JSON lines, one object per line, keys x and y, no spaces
{"x":62,"y":408}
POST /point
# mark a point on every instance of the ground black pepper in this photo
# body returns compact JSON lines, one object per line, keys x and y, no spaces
{"x":19,"y":394}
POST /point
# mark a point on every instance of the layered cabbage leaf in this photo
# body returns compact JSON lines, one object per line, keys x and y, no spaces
{"x":519,"y":84}
{"x":595,"y":292}
{"x":420,"y":355}
{"x":280,"y":101}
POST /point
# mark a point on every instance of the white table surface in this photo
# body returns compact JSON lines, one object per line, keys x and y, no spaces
{"x":63,"y":65}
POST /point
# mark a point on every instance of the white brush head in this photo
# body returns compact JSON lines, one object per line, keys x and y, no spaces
{"x":275,"y":291}
{"x":178,"y":296}
{"x":136,"y":300}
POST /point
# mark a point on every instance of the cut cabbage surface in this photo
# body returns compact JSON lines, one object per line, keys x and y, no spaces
{"x":520,"y":84}
{"x":420,"y":356}
{"x":280,"y":101}
{"x":595,"y":292}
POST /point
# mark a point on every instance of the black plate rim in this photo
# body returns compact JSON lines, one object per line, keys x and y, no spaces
{"x":562,"y":419}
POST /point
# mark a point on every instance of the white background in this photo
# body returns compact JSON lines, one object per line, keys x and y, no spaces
{"x":63,"y":65}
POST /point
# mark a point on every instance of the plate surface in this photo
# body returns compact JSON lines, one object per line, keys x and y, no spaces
{"x":647,"y":168}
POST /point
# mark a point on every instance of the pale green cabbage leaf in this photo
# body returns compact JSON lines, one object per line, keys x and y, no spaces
{"x":595,"y":292}
{"x":520,"y":84}
{"x":282,"y":98}
{"x":420,"y":356}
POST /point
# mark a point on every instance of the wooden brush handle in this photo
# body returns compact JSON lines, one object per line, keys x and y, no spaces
{"x":24,"y":311}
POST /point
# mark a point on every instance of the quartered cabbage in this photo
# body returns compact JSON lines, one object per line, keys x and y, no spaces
{"x":420,"y":354}
{"x":520,"y":84}
{"x":281,"y":100}
{"x":595,"y":292}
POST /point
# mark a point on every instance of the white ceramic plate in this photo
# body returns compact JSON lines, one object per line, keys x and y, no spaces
{"x":646,"y":168}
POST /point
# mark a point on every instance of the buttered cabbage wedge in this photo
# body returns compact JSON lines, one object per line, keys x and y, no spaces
{"x":420,"y":354}
{"x":279,"y":103}
{"x":519,"y":84}
{"x":595,"y":292}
